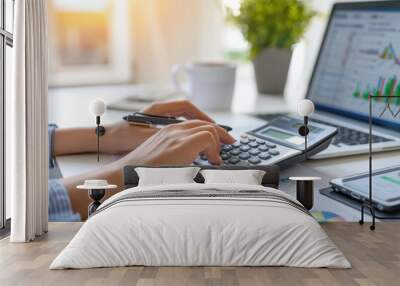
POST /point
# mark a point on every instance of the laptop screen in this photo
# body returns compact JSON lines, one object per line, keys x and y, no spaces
{"x":360,"y":55}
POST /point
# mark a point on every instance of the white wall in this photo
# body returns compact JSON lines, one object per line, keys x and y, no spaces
{"x":167,"y":32}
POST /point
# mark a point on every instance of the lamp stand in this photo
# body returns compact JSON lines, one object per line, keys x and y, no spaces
{"x":100,"y":131}
{"x":303,"y":131}
{"x":369,"y":204}
{"x":305,"y":135}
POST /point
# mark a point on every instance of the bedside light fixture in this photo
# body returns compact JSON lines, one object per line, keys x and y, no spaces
{"x":305,"y":108}
{"x":97,"y":108}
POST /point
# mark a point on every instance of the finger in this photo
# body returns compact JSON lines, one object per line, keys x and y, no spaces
{"x":223,"y":135}
{"x":208,"y":128}
{"x":178,"y":108}
{"x":203,"y":141}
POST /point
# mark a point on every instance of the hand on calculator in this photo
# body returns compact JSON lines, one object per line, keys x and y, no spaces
{"x":249,"y":150}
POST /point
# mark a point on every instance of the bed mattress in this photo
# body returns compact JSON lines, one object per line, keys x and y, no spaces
{"x":201,"y":225}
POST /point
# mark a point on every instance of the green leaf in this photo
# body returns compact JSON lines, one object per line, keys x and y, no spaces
{"x":271,"y":23}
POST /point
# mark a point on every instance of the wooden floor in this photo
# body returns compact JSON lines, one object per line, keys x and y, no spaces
{"x":375,"y":257}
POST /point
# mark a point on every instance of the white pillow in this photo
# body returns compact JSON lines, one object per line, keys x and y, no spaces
{"x":248,"y":177}
{"x":165,"y":176}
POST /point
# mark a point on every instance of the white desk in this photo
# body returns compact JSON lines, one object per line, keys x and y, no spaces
{"x":70,"y":108}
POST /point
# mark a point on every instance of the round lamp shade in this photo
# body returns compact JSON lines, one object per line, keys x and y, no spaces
{"x":305,"y":107}
{"x":96,"y":185}
{"x":97,"y":107}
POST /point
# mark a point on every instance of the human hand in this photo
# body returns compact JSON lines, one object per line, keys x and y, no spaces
{"x":177,"y":108}
{"x":123,"y":137}
{"x":180,"y":144}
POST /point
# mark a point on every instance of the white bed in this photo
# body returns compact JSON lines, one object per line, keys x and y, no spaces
{"x":246,"y":228}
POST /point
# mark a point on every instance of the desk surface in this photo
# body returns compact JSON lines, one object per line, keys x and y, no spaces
{"x":64,"y":102}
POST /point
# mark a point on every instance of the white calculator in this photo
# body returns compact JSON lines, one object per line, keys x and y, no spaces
{"x":276,"y":143}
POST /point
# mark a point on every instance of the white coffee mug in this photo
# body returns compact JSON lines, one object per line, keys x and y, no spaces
{"x":210,"y":86}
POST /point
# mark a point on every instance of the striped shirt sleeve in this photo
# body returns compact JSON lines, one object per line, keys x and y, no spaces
{"x":60,"y":208}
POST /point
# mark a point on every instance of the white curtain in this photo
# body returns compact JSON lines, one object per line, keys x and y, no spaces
{"x":26,"y":123}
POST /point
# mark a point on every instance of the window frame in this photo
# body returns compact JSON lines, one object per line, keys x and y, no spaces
{"x":116,"y":71}
{"x":6,"y":39}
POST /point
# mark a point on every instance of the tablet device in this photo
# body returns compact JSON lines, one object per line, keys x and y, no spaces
{"x":385,"y":187}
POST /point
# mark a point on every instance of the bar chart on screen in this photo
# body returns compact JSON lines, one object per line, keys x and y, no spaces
{"x":384,"y":87}
{"x":387,"y":59}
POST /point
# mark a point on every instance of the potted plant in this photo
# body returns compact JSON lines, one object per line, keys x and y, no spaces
{"x":271,"y":27}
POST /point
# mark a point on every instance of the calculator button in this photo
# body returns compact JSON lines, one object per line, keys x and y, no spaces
{"x":253,"y":144}
{"x":252,"y":138}
{"x":234,"y":160}
{"x":264,"y":156}
{"x":225,"y":156}
{"x":261,"y":142}
{"x":263,"y":148}
{"x":245,"y":148}
{"x":270,"y":145}
{"x":244,"y":141}
{"x":244,"y":156}
{"x":273,"y":152}
{"x":243,"y":136}
{"x":235,"y":152}
{"x":254,"y":160}
{"x":254,"y":152}
{"x":236,"y":145}
{"x":227,"y":147}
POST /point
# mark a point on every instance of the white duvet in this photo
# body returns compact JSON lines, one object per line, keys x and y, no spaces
{"x":190,"y":231}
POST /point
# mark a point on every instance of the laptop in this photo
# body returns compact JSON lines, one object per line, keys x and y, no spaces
{"x":359,"y":55}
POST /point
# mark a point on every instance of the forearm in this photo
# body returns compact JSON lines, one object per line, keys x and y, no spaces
{"x":79,"y":198}
{"x":74,"y":141}
{"x":83,"y":140}
{"x":122,"y":137}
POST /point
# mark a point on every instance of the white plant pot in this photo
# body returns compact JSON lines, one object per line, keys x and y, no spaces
{"x":271,"y":68}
